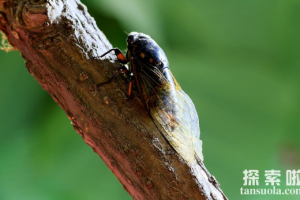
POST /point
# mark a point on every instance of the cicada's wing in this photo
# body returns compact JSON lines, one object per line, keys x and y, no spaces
{"x":172,"y":111}
{"x":191,"y":122}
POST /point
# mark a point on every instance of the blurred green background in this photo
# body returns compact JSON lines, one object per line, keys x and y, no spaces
{"x":239,"y":62}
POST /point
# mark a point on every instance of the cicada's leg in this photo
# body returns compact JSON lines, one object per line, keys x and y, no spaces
{"x":121,"y":68}
{"x":130,"y":85}
{"x":118,"y":53}
{"x":122,"y":60}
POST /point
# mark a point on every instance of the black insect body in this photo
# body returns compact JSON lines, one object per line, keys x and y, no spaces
{"x":170,"y":107}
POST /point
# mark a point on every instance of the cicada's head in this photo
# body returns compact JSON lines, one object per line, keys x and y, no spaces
{"x":136,"y":39}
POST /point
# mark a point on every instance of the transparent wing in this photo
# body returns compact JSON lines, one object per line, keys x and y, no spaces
{"x":172,"y":111}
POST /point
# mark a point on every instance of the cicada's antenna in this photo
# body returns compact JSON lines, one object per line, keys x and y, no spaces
{"x":126,"y":32}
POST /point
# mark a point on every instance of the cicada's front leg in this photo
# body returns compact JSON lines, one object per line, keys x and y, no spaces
{"x":119,"y":54}
{"x":122,"y":60}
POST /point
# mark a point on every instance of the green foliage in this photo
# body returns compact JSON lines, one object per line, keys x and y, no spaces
{"x":238,"y":61}
{"x":4,"y":44}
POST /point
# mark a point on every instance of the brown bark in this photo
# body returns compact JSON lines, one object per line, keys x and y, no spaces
{"x":58,"y":39}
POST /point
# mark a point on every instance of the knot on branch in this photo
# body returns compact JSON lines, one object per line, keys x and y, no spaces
{"x":34,"y":15}
{"x":37,"y":14}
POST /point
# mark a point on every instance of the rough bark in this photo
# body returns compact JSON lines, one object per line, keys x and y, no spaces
{"x":57,"y":39}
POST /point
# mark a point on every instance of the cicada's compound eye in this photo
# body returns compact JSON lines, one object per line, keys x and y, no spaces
{"x":130,"y":39}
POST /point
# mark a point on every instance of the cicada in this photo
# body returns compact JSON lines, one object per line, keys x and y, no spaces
{"x":170,"y":107}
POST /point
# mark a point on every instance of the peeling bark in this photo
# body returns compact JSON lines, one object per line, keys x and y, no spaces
{"x":58,"y":39}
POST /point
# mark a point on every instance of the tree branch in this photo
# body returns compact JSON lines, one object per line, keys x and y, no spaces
{"x":57,"y":40}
